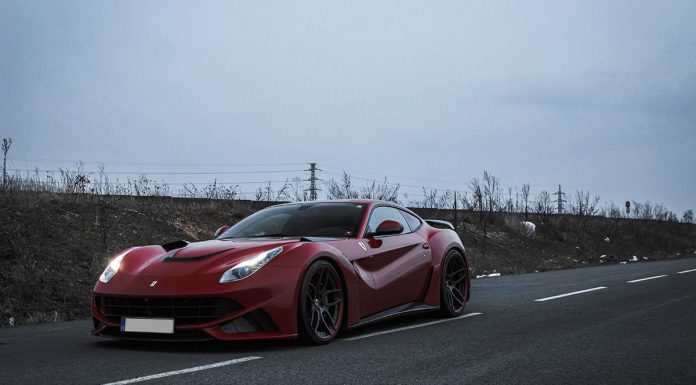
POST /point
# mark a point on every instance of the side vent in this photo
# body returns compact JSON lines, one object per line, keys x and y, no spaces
{"x":438,"y":224}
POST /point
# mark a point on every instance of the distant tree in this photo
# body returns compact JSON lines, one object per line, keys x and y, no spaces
{"x":384,"y":190}
{"x":491,"y":186}
{"x":467,"y":204}
{"x":264,"y":193}
{"x":509,"y":205}
{"x":613,"y":211}
{"x":646,"y":211}
{"x":342,"y":190}
{"x":582,"y":205}
{"x":688,"y":216}
{"x":6,"y":143}
{"x":544,"y":204}
{"x":475,"y":187}
{"x":525,"y":199}
{"x":298,"y":190}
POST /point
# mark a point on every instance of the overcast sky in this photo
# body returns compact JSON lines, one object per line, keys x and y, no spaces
{"x":593,"y":95}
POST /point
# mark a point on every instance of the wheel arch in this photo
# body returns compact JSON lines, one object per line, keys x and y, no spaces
{"x":348,"y":279}
{"x":441,"y":243}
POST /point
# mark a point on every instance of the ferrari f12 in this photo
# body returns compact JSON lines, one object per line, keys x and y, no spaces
{"x":299,"y":270}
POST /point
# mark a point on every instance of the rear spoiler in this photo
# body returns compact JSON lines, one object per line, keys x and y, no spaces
{"x":438,"y":224}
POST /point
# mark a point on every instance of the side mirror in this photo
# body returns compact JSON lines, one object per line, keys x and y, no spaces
{"x":387,"y":227}
{"x":219,"y":231}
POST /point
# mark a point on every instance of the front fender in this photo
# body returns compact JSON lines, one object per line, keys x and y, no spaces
{"x":305,"y":254}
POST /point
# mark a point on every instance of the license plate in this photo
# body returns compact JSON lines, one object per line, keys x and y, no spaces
{"x":148,"y":325}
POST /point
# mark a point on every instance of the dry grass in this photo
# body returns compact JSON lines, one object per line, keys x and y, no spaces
{"x":53,"y":246}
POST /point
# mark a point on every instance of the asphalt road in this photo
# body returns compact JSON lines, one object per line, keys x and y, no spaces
{"x":621,"y":332}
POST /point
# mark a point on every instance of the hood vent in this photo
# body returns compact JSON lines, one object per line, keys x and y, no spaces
{"x":175,"y":245}
{"x":170,"y":256}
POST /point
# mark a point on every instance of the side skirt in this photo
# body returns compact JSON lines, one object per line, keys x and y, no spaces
{"x":397,"y":311}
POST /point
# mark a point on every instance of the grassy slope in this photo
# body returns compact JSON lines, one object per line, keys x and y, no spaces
{"x":54,"y":246}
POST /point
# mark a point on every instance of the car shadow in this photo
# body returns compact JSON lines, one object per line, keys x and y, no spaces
{"x":215,"y":346}
{"x":202,"y":347}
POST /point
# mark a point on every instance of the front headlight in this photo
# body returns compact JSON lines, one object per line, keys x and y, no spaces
{"x":112,"y":268}
{"x":250,"y":266}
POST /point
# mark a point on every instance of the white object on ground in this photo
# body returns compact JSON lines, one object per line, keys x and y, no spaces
{"x":528,"y":228}
{"x":488,"y":275}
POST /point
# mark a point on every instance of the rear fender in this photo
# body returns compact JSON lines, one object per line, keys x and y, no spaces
{"x":441,"y":242}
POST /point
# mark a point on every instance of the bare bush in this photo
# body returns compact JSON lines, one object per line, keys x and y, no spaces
{"x":344,"y":189}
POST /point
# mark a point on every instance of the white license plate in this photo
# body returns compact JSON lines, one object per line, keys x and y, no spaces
{"x":148,"y":325}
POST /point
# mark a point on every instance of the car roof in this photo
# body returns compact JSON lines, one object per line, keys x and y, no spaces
{"x":355,"y":201}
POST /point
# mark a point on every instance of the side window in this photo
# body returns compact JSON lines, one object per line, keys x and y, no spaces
{"x":413,"y":221}
{"x":381,"y":214}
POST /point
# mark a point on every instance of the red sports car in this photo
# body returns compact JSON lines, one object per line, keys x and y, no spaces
{"x":304,"y":270}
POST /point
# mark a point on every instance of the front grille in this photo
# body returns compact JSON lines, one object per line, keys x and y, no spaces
{"x":184,"y":310}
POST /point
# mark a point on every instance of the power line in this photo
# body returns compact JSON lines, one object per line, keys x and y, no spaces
{"x":171,"y":173}
{"x":387,"y":175}
{"x":117,"y":163}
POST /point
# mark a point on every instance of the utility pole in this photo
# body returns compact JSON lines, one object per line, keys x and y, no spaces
{"x":313,"y":181}
{"x":560,"y":200}
{"x":455,"y":210}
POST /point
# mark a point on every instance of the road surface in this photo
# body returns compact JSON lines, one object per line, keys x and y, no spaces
{"x":618,"y":324}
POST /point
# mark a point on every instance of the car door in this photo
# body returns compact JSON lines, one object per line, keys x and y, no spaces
{"x":399,"y":263}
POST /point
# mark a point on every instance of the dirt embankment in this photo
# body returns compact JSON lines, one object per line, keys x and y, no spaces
{"x":54,"y":246}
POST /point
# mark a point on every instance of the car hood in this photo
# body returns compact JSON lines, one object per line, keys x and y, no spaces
{"x":205,"y":257}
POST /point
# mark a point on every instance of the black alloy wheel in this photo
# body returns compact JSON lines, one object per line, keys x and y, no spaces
{"x":321,"y":304}
{"x":454,"y":286}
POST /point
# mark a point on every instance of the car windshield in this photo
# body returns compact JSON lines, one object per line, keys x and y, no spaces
{"x":297,"y":220}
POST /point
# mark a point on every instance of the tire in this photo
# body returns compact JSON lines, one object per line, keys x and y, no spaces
{"x":321,"y":304}
{"x":454,"y":284}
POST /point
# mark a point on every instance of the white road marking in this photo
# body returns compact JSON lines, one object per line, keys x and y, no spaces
{"x":410,"y":327}
{"x":183,"y":371}
{"x":686,"y":271}
{"x":569,"y":294}
{"x":645,"y":279}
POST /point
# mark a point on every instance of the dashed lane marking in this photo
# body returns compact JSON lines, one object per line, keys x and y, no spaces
{"x":645,"y":279}
{"x":569,"y":294}
{"x":184,"y":371}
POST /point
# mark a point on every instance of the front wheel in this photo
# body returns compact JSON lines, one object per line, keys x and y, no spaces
{"x":320,"y":310}
{"x":454,"y":285}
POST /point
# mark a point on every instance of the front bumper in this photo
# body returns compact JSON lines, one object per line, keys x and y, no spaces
{"x":265,"y":306}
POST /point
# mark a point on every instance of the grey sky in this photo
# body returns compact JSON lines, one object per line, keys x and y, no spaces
{"x":599,"y":96}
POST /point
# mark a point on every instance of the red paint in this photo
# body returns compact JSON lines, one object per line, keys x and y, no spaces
{"x":394,"y":269}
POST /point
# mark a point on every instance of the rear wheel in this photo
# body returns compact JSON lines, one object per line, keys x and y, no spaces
{"x":454,"y":285}
{"x":321,"y":304}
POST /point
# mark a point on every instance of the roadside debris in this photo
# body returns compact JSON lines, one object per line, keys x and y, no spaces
{"x":488,"y":275}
